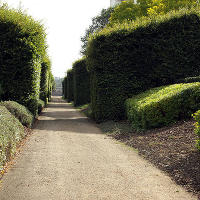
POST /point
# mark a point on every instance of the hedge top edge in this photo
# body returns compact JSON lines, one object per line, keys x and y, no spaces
{"x":141,"y":22}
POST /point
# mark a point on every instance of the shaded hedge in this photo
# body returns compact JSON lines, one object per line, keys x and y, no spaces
{"x":20,"y":112}
{"x":23,"y":46}
{"x":130,"y":58}
{"x":70,"y":87}
{"x":11,"y":133}
{"x":81,"y":83}
{"x":44,"y":78}
{"x":189,"y":79}
{"x":163,"y":105}
{"x":65,"y":87}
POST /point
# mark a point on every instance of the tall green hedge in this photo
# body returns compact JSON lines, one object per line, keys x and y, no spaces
{"x":81,"y":83}
{"x":45,"y":68}
{"x":70,"y":87}
{"x":22,"y":47}
{"x":130,"y":58}
{"x":65,"y":87}
{"x":51,"y":85}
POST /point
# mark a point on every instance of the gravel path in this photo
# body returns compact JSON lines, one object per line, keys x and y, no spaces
{"x":68,"y":158}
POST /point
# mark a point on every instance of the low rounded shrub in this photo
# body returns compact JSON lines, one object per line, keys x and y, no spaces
{"x":11,"y":133}
{"x":20,"y":112}
{"x":163,"y":105}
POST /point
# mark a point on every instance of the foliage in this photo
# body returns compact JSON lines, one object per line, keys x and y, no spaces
{"x":11,"y":133}
{"x":127,"y":10}
{"x":81,"y":83}
{"x":65,"y":87}
{"x":23,"y":45}
{"x":98,"y":23}
{"x":70,"y":87}
{"x":41,"y":105}
{"x":51,"y":85}
{"x":20,"y":112}
{"x":132,"y":57}
{"x":155,"y":7}
{"x":44,"y":77}
{"x":197,"y":128}
{"x":130,"y":10}
{"x":163,"y":105}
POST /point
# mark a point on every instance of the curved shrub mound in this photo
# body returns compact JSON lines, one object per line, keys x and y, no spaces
{"x":11,"y":133}
{"x":20,"y":112}
{"x":163,"y":105}
{"x":81,"y":83}
{"x":130,"y":58}
{"x":23,"y":46}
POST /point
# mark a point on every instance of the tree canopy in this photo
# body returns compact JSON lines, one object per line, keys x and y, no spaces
{"x":98,"y":23}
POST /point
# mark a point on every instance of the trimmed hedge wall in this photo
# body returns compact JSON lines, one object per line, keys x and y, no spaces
{"x":70,"y":87}
{"x":65,"y":87}
{"x":163,"y":105}
{"x":51,"y":85}
{"x":45,"y":68}
{"x":130,"y":58}
{"x":11,"y":133}
{"x":81,"y":83}
{"x":23,"y":45}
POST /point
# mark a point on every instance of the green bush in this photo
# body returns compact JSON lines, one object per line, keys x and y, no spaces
{"x":132,"y":57}
{"x":23,"y":46}
{"x":197,"y":128}
{"x":81,"y":83}
{"x":41,"y":105}
{"x":70,"y":87}
{"x":163,"y":105}
{"x":11,"y":133}
{"x":20,"y":112}
{"x":65,"y":87}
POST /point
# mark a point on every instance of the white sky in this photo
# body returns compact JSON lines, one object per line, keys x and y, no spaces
{"x":66,"y":21}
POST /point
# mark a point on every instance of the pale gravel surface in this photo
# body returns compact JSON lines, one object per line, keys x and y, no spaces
{"x":68,"y":158}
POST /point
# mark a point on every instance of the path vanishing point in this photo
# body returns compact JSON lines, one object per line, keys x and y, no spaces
{"x":68,"y":158}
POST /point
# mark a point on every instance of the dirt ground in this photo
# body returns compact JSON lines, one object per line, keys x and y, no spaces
{"x":172,"y":149}
{"x":68,"y":158}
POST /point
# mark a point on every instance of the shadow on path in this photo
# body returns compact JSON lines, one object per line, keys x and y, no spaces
{"x":61,"y":116}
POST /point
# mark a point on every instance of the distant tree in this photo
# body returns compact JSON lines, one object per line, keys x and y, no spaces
{"x":98,"y":23}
